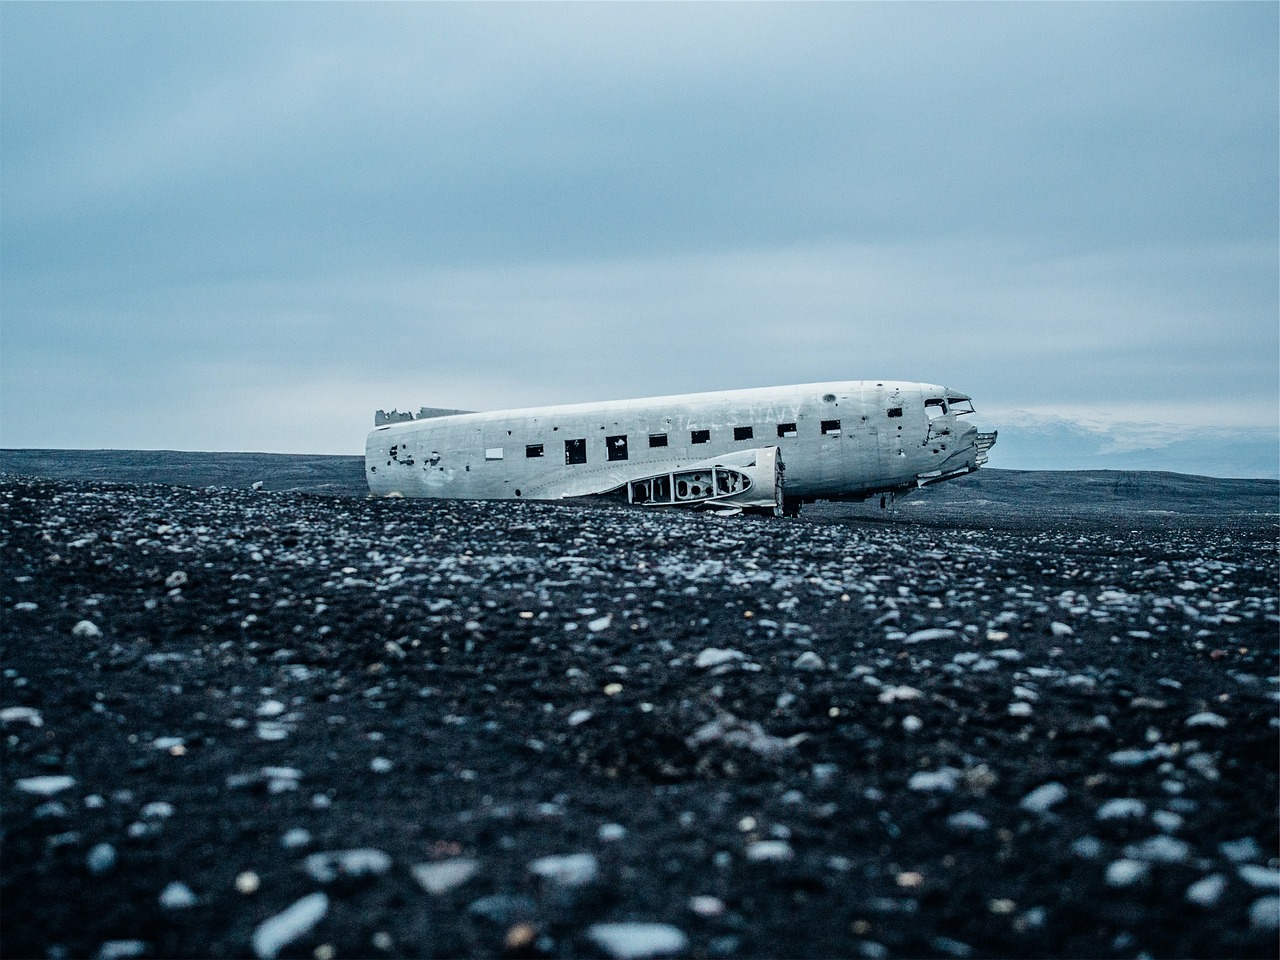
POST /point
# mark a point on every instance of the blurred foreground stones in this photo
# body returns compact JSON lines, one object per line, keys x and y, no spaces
{"x":281,"y":724}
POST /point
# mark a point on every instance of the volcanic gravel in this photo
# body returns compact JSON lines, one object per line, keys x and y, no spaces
{"x":242,"y":723}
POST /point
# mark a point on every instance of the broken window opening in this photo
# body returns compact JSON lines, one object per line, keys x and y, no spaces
{"x":743,"y":433}
{"x":693,"y":486}
{"x":831,"y":427}
{"x":730,"y":481}
{"x":786,"y":429}
{"x":959,"y":407}
{"x":895,"y":411}
{"x":657,"y":439}
{"x":617,"y":447}
{"x":699,"y":436}
{"x":935,"y":407}
{"x":651,"y":490}
{"x":532,"y":451}
{"x":493,"y":453}
{"x":575,"y":451}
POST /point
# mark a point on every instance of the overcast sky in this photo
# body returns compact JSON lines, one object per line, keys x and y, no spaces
{"x":248,"y":226}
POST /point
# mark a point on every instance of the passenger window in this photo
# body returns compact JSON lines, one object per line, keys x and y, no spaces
{"x":575,"y":451}
{"x":895,"y":411}
{"x":657,"y":439}
{"x":699,"y":436}
{"x":786,"y":429}
{"x":617,"y":447}
{"x":533,"y":450}
{"x":743,"y":433}
{"x":832,"y":427}
{"x":493,"y":453}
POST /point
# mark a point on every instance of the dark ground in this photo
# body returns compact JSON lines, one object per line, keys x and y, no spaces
{"x":737,"y":728}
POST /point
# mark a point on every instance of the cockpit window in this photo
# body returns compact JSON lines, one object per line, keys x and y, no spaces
{"x":960,"y":407}
{"x":935,"y":407}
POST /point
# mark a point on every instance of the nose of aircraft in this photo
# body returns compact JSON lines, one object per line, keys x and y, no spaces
{"x":970,"y":451}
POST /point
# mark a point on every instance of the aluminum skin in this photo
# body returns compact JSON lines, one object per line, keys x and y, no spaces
{"x":838,"y":440}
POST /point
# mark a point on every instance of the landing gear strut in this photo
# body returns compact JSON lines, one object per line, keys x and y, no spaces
{"x":888,"y":501}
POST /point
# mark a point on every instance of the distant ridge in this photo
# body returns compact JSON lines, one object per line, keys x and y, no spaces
{"x":990,"y":490}
{"x":308,"y":473}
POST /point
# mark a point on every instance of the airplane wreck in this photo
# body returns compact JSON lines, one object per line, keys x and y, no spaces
{"x":762,"y":450}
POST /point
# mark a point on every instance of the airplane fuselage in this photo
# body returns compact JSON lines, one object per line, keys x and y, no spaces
{"x":837,"y":440}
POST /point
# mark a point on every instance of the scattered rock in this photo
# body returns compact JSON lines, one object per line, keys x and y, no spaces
{"x":45,"y":786}
{"x":177,"y":896}
{"x":634,"y":941}
{"x":287,"y":927}
{"x":1043,"y":797}
{"x":569,"y":870}
{"x":328,"y":866}
{"x":438,"y":878}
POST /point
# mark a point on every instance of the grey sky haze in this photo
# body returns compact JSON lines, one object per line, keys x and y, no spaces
{"x":247,"y":226}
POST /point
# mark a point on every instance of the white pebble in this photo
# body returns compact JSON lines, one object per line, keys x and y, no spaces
{"x":45,"y":786}
{"x":579,"y":717}
{"x":1263,"y":878}
{"x":968,"y":821}
{"x":1120,"y":808}
{"x":714,"y":657}
{"x":1264,"y":913}
{"x":570,"y":870}
{"x":912,"y":723}
{"x":808,"y":661}
{"x":1087,"y":847}
{"x":21,"y":715}
{"x":295,"y":838}
{"x":633,"y":941}
{"x":1019,"y":709}
{"x":1240,"y":851}
{"x":1207,"y":719}
{"x":769,"y":851}
{"x":935,"y":781}
{"x":934,"y":633}
{"x":894,"y":694}
{"x":286,"y":927}
{"x":328,"y":866}
{"x":610,"y":832}
{"x":175,"y":579}
{"x":1059,"y":629}
{"x":122,"y":949}
{"x":1043,"y":797}
{"x":87,"y":629}
{"x":706,"y":906}
{"x":271,"y":708}
{"x":177,"y":896}
{"x":1208,"y":891}
{"x":380,"y":765}
{"x":101,"y":858}
{"x":1125,"y":873}
{"x":1159,"y":849}
{"x":438,"y":878}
